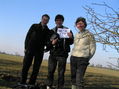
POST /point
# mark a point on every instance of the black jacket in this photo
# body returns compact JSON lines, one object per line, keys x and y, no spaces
{"x":37,"y":38}
{"x":62,"y":47}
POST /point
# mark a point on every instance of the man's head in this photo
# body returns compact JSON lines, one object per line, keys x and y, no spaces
{"x":45,"y":19}
{"x":59,"y":19}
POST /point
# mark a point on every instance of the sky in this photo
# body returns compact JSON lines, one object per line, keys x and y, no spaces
{"x":16,"y":17}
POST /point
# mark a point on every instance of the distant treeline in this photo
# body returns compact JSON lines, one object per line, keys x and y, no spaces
{"x":104,"y":67}
{"x":15,"y":54}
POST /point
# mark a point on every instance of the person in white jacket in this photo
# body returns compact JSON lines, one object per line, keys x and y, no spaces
{"x":83,"y":50}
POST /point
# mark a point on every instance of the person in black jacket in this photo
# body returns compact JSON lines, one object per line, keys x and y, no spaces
{"x":36,"y":39}
{"x":58,"y":54}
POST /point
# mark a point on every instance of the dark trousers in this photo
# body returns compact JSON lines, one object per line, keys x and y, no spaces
{"x":27,"y":62}
{"x":52,"y":64}
{"x":78,"y":67}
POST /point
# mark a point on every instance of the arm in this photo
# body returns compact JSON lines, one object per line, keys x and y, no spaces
{"x":28,"y":36}
{"x":49,"y":42}
{"x":70,"y":40}
{"x":92,"y":46}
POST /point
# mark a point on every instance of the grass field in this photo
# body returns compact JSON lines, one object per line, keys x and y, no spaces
{"x":95,"y":78}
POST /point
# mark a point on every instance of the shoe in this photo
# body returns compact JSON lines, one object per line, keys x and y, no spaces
{"x":73,"y":87}
{"x":48,"y":87}
{"x":22,"y":84}
{"x":31,"y":85}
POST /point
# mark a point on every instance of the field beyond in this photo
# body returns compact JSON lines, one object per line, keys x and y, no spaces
{"x":95,"y":78}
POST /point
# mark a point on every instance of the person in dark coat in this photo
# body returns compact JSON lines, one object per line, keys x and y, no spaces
{"x":59,"y":53}
{"x":36,"y":39}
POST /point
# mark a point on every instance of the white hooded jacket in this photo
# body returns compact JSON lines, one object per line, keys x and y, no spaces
{"x":84,"y":45}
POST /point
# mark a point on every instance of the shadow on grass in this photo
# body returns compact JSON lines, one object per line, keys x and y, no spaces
{"x":6,"y":84}
{"x":9,"y":77}
{"x":10,"y":81}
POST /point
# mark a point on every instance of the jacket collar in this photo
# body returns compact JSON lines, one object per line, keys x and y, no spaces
{"x":45,"y":26}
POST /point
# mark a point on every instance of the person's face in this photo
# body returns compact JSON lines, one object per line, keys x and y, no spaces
{"x":59,"y":22}
{"x":44,"y":20}
{"x":80,"y":25}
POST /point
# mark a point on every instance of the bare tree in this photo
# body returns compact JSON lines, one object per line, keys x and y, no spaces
{"x":104,"y":26}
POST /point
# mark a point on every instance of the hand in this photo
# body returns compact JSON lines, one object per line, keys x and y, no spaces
{"x":54,"y":41}
{"x":69,"y":34}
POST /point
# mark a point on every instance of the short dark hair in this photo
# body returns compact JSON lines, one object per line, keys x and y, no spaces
{"x":46,"y":15}
{"x":59,"y":16}
{"x":81,"y":19}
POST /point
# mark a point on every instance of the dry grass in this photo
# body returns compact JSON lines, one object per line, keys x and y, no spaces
{"x":95,"y":78}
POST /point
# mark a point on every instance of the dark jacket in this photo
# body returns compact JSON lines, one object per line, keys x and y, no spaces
{"x":62,"y":47}
{"x":37,"y":38}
